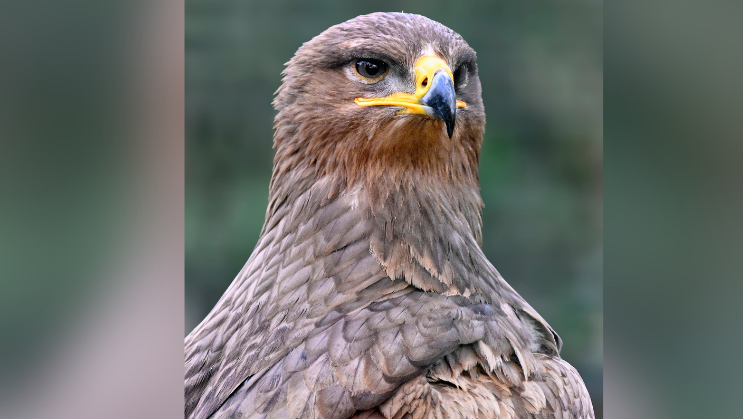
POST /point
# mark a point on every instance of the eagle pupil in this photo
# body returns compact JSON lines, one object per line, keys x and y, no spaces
{"x":370,"y":69}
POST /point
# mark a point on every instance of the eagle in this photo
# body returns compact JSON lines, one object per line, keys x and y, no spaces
{"x":368,"y":294}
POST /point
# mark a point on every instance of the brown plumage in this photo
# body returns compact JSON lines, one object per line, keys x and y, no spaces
{"x":368,"y":295}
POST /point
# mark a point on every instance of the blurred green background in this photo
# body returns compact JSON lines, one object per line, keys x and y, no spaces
{"x":541,"y":69}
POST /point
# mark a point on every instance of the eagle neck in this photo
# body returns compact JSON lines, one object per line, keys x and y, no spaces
{"x":424,"y":232}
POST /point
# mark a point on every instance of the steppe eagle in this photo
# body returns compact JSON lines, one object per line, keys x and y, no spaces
{"x":368,"y":294}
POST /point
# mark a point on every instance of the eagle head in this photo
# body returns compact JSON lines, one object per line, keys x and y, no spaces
{"x":389,"y":99}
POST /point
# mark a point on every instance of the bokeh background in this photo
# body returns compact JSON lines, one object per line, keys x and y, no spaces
{"x":541,"y":70}
{"x":92,"y":186}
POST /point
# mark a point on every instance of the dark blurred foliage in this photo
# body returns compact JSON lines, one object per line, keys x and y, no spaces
{"x":540,"y":66}
{"x":673,"y":85}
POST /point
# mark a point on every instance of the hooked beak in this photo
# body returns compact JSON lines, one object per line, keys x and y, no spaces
{"x":435,"y":94}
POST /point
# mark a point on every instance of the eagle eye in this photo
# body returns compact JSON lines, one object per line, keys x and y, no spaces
{"x":461,"y":76}
{"x":370,"y":69}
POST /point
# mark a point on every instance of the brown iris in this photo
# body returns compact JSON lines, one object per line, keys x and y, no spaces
{"x":370,"y":69}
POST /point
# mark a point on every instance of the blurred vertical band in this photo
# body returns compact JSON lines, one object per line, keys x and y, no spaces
{"x":91,"y":209}
{"x":673,"y":209}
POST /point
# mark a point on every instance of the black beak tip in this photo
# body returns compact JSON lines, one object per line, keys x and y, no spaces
{"x":450,"y":127}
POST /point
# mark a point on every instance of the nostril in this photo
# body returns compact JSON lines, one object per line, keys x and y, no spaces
{"x":425,"y":82}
